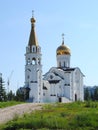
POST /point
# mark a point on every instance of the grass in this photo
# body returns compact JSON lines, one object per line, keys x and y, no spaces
{"x":9,"y":103}
{"x":58,"y":116}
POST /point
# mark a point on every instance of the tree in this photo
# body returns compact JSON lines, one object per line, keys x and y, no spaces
{"x":27,"y":90}
{"x":96,"y":93}
{"x":20,"y":96}
{"x":86,"y":94}
{"x":2,"y":90}
{"x":92,"y":96}
{"x":10,"y":96}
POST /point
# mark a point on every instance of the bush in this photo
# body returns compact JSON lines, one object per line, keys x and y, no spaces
{"x":91,"y":104}
{"x":71,"y":116}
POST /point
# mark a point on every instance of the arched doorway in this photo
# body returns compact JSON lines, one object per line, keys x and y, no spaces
{"x":75,"y":97}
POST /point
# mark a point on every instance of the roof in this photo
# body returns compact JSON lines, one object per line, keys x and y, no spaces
{"x":63,"y":49}
{"x":70,"y":69}
{"x":53,"y":81}
{"x":66,"y":69}
{"x":32,"y":38}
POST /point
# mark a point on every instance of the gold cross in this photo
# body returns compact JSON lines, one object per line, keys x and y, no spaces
{"x":63,"y":36}
{"x":32,"y":13}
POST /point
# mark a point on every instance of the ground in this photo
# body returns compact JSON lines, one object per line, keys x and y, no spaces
{"x":9,"y":113}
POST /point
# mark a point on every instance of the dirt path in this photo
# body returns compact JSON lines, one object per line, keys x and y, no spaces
{"x":9,"y":113}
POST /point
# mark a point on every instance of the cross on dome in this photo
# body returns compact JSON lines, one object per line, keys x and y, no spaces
{"x":63,"y":38}
{"x":32,"y":13}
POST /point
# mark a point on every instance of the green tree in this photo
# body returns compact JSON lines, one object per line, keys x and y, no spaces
{"x":27,"y":90}
{"x":10,"y":96}
{"x":86,"y":94}
{"x":2,"y":90}
{"x":20,"y":96}
{"x":96,"y":93}
{"x":92,"y":96}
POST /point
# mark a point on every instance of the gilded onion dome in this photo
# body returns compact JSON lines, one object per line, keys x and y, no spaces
{"x":63,"y":50}
{"x":33,"y":39}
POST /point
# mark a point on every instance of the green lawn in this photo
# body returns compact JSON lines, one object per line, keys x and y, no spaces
{"x":8,"y":103}
{"x":58,"y":116}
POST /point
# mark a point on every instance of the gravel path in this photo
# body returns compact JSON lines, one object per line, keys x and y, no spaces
{"x":9,"y":113}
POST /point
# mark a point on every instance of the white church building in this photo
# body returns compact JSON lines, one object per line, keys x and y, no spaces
{"x":60,"y":84}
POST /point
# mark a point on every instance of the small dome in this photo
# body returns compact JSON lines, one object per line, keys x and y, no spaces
{"x":33,"y":20}
{"x":63,"y":50}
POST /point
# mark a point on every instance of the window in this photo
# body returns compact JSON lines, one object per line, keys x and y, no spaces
{"x":64,"y":63}
{"x":33,"y":61}
{"x":51,"y":76}
{"x":33,"y":49}
{"x":28,"y":76}
{"x":75,"y":97}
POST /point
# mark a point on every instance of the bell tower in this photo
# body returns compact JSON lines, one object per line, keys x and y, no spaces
{"x":33,"y":66}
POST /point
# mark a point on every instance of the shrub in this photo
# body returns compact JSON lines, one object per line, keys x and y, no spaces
{"x":72,"y":116}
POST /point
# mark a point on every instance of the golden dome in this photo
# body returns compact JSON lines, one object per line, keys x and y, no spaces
{"x":63,"y":50}
{"x":33,"y":20}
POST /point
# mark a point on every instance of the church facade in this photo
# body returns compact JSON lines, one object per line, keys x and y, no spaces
{"x":60,"y":84}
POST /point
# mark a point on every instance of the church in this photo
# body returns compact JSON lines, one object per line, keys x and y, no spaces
{"x":60,"y":84}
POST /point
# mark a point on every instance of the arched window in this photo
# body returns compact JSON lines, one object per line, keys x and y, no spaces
{"x":75,"y":97}
{"x":28,"y":76}
{"x":33,"y":49}
{"x":33,"y":61}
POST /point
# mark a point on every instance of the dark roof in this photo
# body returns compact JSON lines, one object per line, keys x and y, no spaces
{"x":66,"y":69}
{"x":53,"y":81}
{"x":70,"y":69}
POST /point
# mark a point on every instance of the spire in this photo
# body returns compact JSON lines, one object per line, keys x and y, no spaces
{"x":63,"y":38}
{"x":32,"y":39}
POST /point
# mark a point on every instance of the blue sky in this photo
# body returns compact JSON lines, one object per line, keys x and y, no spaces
{"x":77,"y":19}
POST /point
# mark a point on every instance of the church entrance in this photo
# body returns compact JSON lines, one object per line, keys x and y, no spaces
{"x":60,"y":99}
{"x":75,"y":97}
